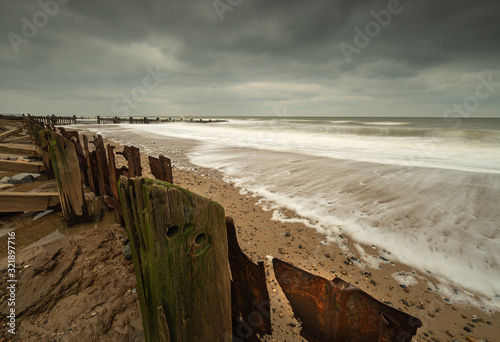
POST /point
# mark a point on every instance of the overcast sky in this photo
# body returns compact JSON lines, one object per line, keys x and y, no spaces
{"x":251,"y":57}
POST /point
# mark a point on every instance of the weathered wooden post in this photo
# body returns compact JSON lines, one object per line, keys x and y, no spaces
{"x":179,"y":247}
{"x":91,"y":175}
{"x":113,"y":174}
{"x":161,"y":168}
{"x":98,"y":119}
{"x":102,"y":165}
{"x":67,"y":173}
{"x":133,"y":156}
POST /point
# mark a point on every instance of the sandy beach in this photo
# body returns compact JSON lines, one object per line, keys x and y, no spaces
{"x":261,"y":238}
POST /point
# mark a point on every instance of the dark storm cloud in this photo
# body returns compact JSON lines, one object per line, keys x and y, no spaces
{"x":263,"y":54}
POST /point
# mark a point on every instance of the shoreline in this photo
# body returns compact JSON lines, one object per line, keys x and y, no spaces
{"x":261,"y":237}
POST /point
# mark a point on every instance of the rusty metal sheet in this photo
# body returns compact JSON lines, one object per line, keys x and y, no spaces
{"x":338,"y":311}
{"x":250,"y":291}
{"x":161,"y":168}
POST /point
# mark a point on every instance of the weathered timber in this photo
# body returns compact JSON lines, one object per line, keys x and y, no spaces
{"x":15,"y":166}
{"x":19,"y":149}
{"x":40,"y":138}
{"x":102,"y":166}
{"x":67,"y":172}
{"x":24,"y":139}
{"x":250,"y":290}
{"x":12,"y":202}
{"x":113,"y":173}
{"x":179,"y":247}
{"x":133,"y":157}
{"x":74,"y":137}
{"x":91,"y":175}
{"x":338,"y":311}
{"x":161,"y":168}
{"x":10,"y":133}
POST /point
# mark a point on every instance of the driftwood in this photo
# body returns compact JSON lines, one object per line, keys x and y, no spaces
{"x":67,"y":173}
{"x":179,"y":248}
{"x":11,"y":202}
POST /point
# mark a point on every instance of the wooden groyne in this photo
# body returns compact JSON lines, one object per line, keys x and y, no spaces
{"x":193,"y":280}
{"x":56,"y":120}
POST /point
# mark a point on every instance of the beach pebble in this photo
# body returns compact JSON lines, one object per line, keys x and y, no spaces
{"x":127,"y":253}
{"x":466,"y":328}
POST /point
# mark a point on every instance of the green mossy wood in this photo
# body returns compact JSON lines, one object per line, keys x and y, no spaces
{"x":67,"y":173}
{"x":179,"y":247}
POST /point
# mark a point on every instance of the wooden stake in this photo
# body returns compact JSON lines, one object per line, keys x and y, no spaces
{"x":161,"y":168}
{"x":179,"y":247}
{"x":67,"y":172}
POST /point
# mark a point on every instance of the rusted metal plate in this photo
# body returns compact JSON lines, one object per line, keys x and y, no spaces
{"x":250,"y":290}
{"x":338,"y":311}
{"x":161,"y":168}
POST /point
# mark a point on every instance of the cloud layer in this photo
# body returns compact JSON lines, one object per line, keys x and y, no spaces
{"x":318,"y":58}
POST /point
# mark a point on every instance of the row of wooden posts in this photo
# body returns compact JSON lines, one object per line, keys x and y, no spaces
{"x":181,"y":243}
{"x":73,"y":120}
{"x":67,"y":158}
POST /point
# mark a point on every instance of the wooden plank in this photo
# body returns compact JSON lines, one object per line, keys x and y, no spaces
{"x":179,"y":248}
{"x":25,"y":139}
{"x":15,"y":166}
{"x":161,"y":168}
{"x":102,"y":165}
{"x":113,"y":174}
{"x":133,"y":157}
{"x":91,"y":175}
{"x":11,"y":202}
{"x":67,"y":173}
{"x":18,"y":149}
{"x":10,"y":133}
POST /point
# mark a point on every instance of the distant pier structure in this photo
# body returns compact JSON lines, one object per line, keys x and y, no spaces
{"x":101,"y":120}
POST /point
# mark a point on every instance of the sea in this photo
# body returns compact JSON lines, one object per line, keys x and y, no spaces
{"x":424,"y":190}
